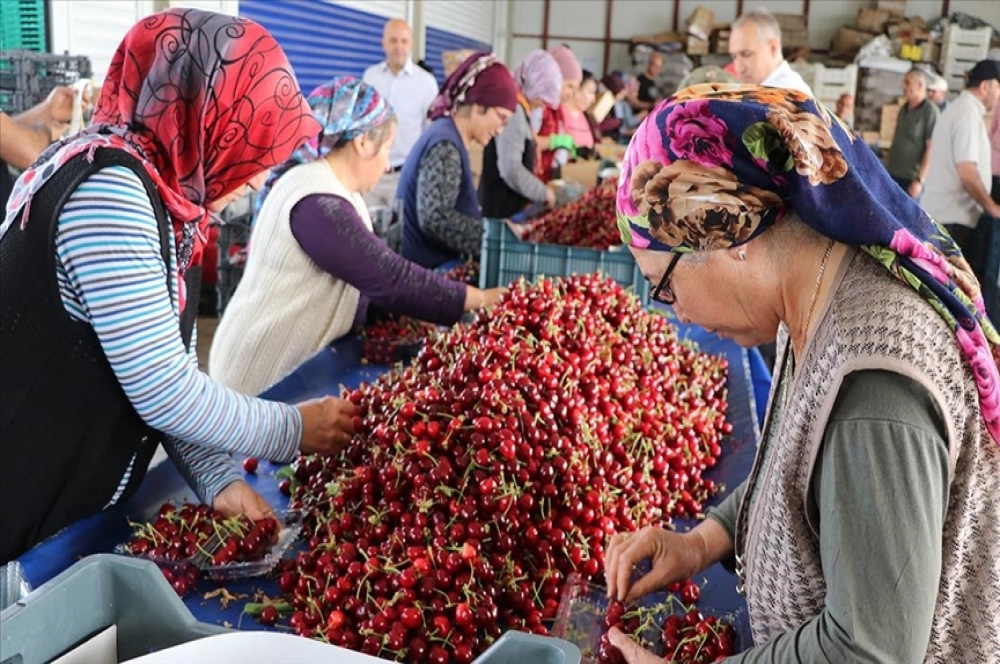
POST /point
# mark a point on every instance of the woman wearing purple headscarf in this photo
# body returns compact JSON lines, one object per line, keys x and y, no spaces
{"x":867,"y":530}
{"x":316,"y":264}
{"x":442,"y":220}
{"x":509,"y":183}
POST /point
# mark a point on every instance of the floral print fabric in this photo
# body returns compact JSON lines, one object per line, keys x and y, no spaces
{"x":716,"y":165}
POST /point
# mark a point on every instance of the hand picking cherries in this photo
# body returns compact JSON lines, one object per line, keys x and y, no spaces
{"x":495,"y":465}
{"x":591,"y":221}
{"x":467,"y":272}
{"x":394,"y":339}
{"x":182,"y":539}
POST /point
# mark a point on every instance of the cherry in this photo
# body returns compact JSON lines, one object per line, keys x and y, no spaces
{"x":250,"y":465}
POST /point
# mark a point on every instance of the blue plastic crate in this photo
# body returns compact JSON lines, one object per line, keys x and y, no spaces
{"x":505,"y":258}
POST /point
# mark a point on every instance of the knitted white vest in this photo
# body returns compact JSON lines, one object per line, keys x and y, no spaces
{"x":286,"y":308}
{"x":874,"y":322}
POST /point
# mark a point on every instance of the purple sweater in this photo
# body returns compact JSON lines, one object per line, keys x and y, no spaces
{"x":333,"y":235}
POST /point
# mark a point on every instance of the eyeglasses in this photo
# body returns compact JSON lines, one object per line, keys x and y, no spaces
{"x":662,"y":292}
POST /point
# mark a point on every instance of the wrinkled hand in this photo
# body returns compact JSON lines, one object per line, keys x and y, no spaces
{"x":327,"y":425}
{"x":631,"y":651}
{"x":674,"y":557}
{"x":915,"y":189}
{"x":239,"y":498}
{"x":491,"y":295}
{"x":519,"y":230}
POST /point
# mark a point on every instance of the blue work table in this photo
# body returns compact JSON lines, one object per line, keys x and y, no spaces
{"x":340,"y":366}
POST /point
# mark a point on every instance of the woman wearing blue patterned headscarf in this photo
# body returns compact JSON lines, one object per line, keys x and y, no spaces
{"x":316,"y":264}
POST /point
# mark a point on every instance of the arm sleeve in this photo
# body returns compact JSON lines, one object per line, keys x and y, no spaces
{"x":728,"y":510}
{"x":108,"y":226}
{"x":438,"y":186}
{"x":510,"y":159}
{"x":884,"y":455}
{"x":333,"y":235}
{"x":932,"y":119}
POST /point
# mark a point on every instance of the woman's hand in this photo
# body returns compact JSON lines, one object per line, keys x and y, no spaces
{"x":239,"y":498}
{"x":476,"y":298}
{"x":630,"y":650}
{"x":550,"y":197}
{"x":674,"y":557}
{"x":327,"y":425}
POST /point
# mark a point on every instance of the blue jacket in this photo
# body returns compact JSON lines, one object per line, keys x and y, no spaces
{"x":417,"y":246}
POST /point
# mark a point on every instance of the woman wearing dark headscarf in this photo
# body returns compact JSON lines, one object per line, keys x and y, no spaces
{"x":509,"y":182}
{"x":868,"y":529}
{"x":314,"y":250}
{"x":442,"y":220}
{"x":99,"y":256}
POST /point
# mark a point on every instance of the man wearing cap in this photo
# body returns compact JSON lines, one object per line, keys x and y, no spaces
{"x":957,"y":192}
{"x":410,"y":92}
{"x":937,"y":91}
{"x":755,"y":46}
{"x":909,"y":156}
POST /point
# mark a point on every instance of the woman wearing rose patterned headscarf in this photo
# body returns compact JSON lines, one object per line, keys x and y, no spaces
{"x":442,"y":220}
{"x":868,"y":529}
{"x":99,"y":255}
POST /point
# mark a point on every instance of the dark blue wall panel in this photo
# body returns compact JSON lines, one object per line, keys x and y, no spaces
{"x":439,"y":41}
{"x":321,"y":40}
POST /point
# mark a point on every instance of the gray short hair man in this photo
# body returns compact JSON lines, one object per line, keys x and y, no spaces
{"x":755,"y":46}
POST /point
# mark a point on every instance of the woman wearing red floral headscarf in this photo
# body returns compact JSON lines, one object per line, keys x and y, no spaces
{"x":99,"y":250}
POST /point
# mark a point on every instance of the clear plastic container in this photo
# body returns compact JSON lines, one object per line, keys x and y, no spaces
{"x":291,"y":527}
{"x":14,"y":585}
{"x":583,"y":608}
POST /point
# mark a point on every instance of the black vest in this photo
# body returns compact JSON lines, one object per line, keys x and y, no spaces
{"x":496,"y":197}
{"x":67,"y":431}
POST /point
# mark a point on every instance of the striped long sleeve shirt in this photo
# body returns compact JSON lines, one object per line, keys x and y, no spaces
{"x":112,"y":276}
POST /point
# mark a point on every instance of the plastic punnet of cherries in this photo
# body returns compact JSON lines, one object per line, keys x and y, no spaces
{"x":496,"y":464}
{"x":183,"y":539}
{"x":591,"y":221}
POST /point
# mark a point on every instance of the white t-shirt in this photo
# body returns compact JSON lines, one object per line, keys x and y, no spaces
{"x":410,"y":93}
{"x":959,"y":136}
{"x":786,"y":77}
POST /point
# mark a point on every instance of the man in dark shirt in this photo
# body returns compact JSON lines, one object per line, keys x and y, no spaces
{"x":909,"y":156}
{"x":648,"y":94}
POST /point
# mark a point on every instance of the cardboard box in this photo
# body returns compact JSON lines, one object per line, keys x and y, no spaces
{"x":658,"y":39}
{"x":696,"y":46}
{"x":700,"y":22}
{"x":848,"y":41}
{"x":894,"y":7}
{"x":872,"y":20}
{"x":452,"y":59}
{"x":611,"y":150}
{"x":790,"y":22}
{"x":887,"y":128}
{"x":581,"y":172}
{"x":911,"y":30}
{"x":602,"y":106}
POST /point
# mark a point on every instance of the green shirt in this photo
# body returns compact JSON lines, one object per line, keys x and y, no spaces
{"x":913,"y":130}
{"x":881,"y":489}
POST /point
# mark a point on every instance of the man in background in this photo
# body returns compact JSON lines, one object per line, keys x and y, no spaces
{"x":410,"y":91}
{"x":937,"y":91}
{"x":648,"y":94}
{"x":957,"y":192}
{"x":909,"y":155}
{"x":845,"y":109}
{"x":755,"y":46}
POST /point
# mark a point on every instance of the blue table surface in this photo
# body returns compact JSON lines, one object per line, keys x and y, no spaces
{"x":340,"y":366}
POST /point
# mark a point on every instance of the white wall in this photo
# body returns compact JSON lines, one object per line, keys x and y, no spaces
{"x":387,"y":8}
{"x":94,"y":28}
{"x":988,"y":10}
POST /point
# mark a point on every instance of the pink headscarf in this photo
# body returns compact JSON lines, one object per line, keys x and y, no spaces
{"x":539,"y":77}
{"x":568,"y":64}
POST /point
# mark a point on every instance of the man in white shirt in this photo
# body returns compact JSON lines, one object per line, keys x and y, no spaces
{"x":957,"y":192}
{"x":410,"y":91}
{"x":755,"y":46}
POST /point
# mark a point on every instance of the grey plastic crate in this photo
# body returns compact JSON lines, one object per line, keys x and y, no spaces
{"x":521,"y":648}
{"x":93,"y":594}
